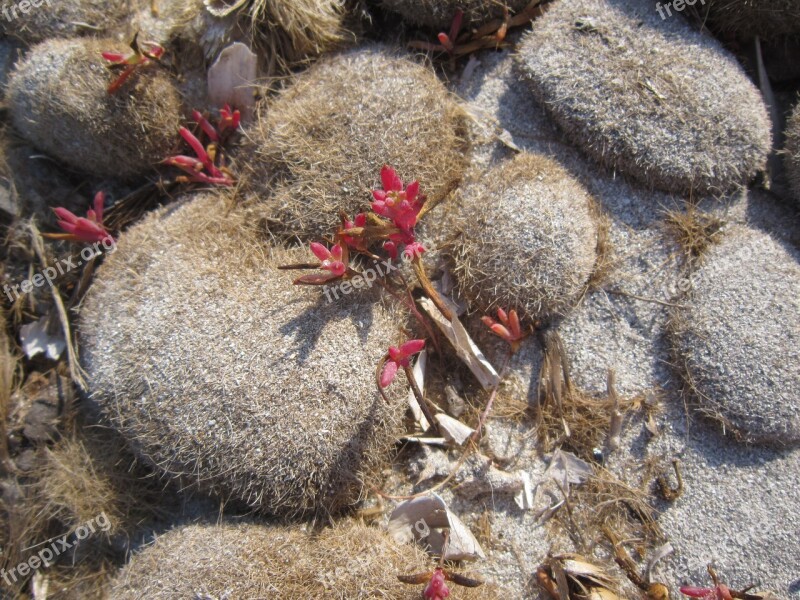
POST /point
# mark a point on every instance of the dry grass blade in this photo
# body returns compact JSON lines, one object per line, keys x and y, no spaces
{"x":693,"y":229}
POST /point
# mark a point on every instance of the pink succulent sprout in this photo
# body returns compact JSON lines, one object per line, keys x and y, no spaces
{"x":228,"y":119}
{"x":719,"y":592}
{"x":201,"y":168}
{"x":391,"y":249}
{"x":437,"y":588}
{"x":333,"y":260}
{"x":399,"y":357}
{"x":89,"y":229}
{"x":141,"y":54}
{"x":413,"y":250}
{"x":508,"y":328}
{"x":400,"y":206}
{"x":448,"y":40}
{"x":357,"y":243}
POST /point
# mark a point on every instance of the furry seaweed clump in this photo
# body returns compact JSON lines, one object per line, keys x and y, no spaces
{"x":792,"y":151}
{"x":222,"y":374}
{"x":59,"y":101}
{"x":750,"y":18}
{"x":318,"y":147}
{"x":527,"y":239}
{"x":62,"y":19}
{"x":439,"y":14}
{"x":735,"y":336}
{"x":349,"y":560}
{"x":639,"y":78}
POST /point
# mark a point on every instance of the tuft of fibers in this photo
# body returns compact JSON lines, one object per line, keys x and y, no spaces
{"x":320,"y":145}
{"x":750,"y":18}
{"x":736,"y":338}
{"x":527,"y":239}
{"x":222,"y":374}
{"x":58,"y":101}
{"x":247,"y":560}
{"x":439,"y":13}
{"x":61,"y":19}
{"x":792,"y":151}
{"x":652,"y":98}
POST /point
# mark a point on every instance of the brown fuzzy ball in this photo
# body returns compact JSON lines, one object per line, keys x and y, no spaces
{"x":439,"y":13}
{"x":792,"y":151}
{"x":735,"y":336}
{"x":350,"y":560}
{"x":59,"y":101}
{"x":749,"y":18}
{"x":59,"y":19}
{"x":223,"y":374}
{"x":527,"y":240}
{"x":651,"y":98}
{"x":319,"y":147}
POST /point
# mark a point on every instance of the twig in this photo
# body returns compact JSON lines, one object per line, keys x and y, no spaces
{"x":423,"y":404}
{"x":643,"y":298}
{"x":75,"y":370}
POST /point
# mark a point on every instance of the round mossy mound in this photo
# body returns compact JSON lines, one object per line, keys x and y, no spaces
{"x":750,"y":18}
{"x":792,"y":151}
{"x":49,"y":19}
{"x":59,"y":101}
{"x":738,"y":337}
{"x":652,"y":98}
{"x":319,"y":146}
{"x":223,"y":374}
{"x":350,"y":560}
{"x":439,"y":13}
{"x":527,"y":239}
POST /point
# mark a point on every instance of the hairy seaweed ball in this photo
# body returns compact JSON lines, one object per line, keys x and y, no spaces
{"x":349,"y":560}
{"x":737,"y":339}
{"x":527,"y":239}
{"x":45,"y":19}
{"x":223,"y":374}
{"x":792,"y":151}
{"x":59,"y":101}
{"x":751,"y":18}
{"x":439,"y":13}
{"x":652,"y":98}
{"x":319,"y":147}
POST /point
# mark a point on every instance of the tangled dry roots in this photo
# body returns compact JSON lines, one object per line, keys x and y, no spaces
{"x":222,"y":373}
{"x":750,"y":18}
{"x":792,"y":156}
{"x":639,"y":76}
{"x":439,"y":14}
{"x":320,"y":145}
{"x":58,"y":101}
{"x":64,"y":19}
{"x":527,"y":239}
{"x":735,"y":338}
{"x":350,"y":560}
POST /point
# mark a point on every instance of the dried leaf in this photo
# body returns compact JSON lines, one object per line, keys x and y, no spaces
{"x":453,"y":429}
{"x":524,"y":497}
{"x":419,"y":377}
{"x":464,"y":346}
{"x":222,"y":8}
{"x":566,"y":468}
{"x":660,"y":552}
{"x":231,"y":80}
{"x":35,"y":340}
{"x":423,"y":518}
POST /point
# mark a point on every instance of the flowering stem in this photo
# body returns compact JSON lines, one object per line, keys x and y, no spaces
{"x":423,"y":404}
{"x":426,"y":284}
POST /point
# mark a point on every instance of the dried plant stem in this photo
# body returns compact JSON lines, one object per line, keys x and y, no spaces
{"x":471,"y":443}
{"x":430,"y":291}
{"x":423,"y":404}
